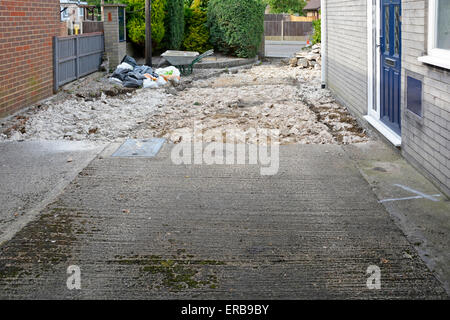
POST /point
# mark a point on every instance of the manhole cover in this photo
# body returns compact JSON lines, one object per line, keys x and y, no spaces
{"x":145,"y":148}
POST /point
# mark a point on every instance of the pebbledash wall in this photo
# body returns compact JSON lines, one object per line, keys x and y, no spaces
{"x":425,"y":139}
{"x":26,"y":51}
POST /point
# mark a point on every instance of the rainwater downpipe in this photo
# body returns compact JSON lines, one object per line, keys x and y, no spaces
{"x":323,"y":49}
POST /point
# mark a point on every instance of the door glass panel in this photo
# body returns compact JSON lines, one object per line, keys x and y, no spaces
{"x":443,"y":24}
{"x":397,"y":30}
{"x":386,"y":28}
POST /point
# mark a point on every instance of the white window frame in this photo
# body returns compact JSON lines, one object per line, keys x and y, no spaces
{"x":65,"y":14}
{"x":81,"y":12}
{"x":435,"y":56}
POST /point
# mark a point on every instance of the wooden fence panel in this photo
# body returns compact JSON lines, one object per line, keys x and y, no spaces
{"x":276,"y":17}
{"x":272,"y":28}
{"x":76,"y":56}
{"x":297,"y":28}
{"x":287,"y":28}
{"x":92,"y":26}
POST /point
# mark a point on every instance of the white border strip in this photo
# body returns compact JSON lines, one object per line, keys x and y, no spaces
{"x":370,"y":75}
{"x":394,"y":138}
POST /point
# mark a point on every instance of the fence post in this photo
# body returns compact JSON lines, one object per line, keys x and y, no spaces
{"x":282,"y":30}
{"x":55,"y":64}
{"x":77,"y":57}
{"x":262,"y":47}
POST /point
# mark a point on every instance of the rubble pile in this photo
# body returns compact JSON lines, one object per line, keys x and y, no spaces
{"x":308,"y":58}
{"x":78,"y":118}
{"x":268,"y":96}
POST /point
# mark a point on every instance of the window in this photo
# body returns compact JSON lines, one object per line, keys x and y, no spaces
{"x":397,"y":30}
{"x":414,"y":95}
{"x":80,"y":12}
{"x":443,"y":25}
{"x":438,"y":34}
{"x":121,"y":15}
{"x":64,"y":13}
{"x":386,"y":32}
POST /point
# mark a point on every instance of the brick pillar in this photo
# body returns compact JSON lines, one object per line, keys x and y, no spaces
{"x":114,"y":48}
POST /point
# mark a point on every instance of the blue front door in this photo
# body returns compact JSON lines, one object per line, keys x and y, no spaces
{"x":391,"y":63}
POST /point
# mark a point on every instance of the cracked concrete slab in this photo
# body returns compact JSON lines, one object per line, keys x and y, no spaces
{"x":148,"y":229}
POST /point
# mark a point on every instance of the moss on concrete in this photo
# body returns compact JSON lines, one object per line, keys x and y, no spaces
{"x":175,"y":274}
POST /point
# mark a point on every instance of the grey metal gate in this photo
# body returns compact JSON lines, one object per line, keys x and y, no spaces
{"x":76,"y":56}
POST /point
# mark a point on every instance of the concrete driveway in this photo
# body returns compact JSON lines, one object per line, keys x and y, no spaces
{"x":35,"y":172}
{"x":283,"y":49}
{"x":146,"y":228}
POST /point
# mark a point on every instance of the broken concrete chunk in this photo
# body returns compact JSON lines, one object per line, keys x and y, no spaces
{"x":309,"y":54}
{"x":312,"y":56}
{"x":293,"y":62}
{"x":302,"y":63}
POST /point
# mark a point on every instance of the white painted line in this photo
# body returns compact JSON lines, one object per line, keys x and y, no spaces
{"x":417,"y":192}
{"x":420,"y":195}
{"x":407,"y":198}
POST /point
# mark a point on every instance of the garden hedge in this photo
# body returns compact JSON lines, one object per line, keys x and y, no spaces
{"x":197,"y":33}
{"x":236,"y":26}
{"x":175,"y":24}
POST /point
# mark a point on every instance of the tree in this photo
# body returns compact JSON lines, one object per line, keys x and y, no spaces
{"x":317,"y":31}
{"x":287,"y":6}
{"x":175,"y":24}
{"x":136,"y":21}
{"x":197,"y":36}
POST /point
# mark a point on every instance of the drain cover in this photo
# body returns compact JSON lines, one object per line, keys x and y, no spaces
{"x":145,"y":148}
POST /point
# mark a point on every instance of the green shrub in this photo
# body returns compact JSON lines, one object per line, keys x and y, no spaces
{"x":236,"y":26}
{"x":174,"y":24}
{"x":317,"y":31}
{"x":286,"y":6}
{"x":136,"y":21}
{"x":197,"y":34}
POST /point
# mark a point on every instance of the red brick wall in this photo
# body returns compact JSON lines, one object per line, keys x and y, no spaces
{"x":27,"y":28}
